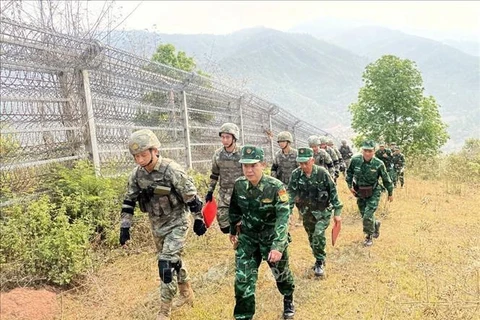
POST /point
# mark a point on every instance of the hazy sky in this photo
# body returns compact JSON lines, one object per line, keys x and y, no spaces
{"x":222,"y":17}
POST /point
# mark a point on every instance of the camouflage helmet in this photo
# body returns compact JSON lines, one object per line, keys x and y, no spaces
{"x":285,"y":136}
{"x":323,"y":140}
{"x":313,"y":141}
{"x":330,"y":142}
{"x":344,"y":141}
{"x":142,"y":140}
{"x":230,"y":128}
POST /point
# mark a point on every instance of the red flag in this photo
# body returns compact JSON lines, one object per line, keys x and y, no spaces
{"x":209,"y":212}
{"x":335,"y":231}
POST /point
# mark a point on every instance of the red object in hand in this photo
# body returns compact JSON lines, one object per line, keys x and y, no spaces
{"x":335,"y":231}
{"x":209,"y":212}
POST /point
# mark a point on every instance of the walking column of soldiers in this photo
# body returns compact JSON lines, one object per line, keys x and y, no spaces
{"x":254,"y":208}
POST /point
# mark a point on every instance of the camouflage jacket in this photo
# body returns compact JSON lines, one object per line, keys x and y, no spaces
{"x":226,"y":168}
{"x":346,"y":152}
{"x":322,"y":158}
{"x":262,"y":210}
{"x":169,"y":210}
{"x":333,"y":155}
{"x":386,"y":156}
{"x":364,"y":173}
{"x":337,"y":153}
{"x":284,"y":164}
{"x":398,"y":160}
{"x":315,"y":193}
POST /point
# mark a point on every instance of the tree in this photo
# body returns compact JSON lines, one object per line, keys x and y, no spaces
{"x":391,"y":107}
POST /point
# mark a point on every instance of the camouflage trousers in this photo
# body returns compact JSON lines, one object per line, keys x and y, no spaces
{"x":367,"y":209}
{"x":224,"y":196}
{"x":398,"y":175}
{"x":248,"y":256}
{"x":170,"y":247}
{"x":315,"y":224}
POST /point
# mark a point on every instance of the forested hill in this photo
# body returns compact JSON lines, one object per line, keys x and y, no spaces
{"x":317,"y":80}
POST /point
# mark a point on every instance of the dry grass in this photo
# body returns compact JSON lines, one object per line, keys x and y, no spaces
{"x":425,"y":265}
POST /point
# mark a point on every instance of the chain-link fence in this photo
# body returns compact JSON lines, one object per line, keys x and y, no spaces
{"x":66,"y":98}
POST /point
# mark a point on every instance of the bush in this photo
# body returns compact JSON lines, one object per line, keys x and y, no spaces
{"x":39,"y":243}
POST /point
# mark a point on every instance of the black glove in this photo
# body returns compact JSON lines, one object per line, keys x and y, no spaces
{"x":124,"y":235}
{"x":199,"y":227}
{"x":209,"y":196}
{"x":195,"y":205}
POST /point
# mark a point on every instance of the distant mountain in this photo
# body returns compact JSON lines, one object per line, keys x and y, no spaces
{"x":317,"y":80}
{"x":450,"y":75}
{"x":469,"y":47}
{"x":310,"y":77}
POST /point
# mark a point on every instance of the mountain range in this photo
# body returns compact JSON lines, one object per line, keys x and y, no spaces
{"x":318,"y":78}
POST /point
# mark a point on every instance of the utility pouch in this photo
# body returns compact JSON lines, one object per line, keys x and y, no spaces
{"x":323,"y":200}
{"x":162,"y":190}
{"x":143,"y":199}
{"x":365,"y":192}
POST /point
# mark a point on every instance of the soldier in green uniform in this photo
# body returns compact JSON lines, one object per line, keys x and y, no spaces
{"x":385,"y":154}
{"x":161,"y":188}
{"x":312,"y":189}
{"x":399,"y":167}
{"x":225,"y":170}
{"x":260,"y":210}
{"x":333,"y":155}
{"x":322,"y":158}
{"x":362,"y":180}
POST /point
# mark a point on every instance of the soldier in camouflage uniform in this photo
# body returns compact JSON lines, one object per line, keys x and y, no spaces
{"x":322,"y":158}
{"x":259,"y":210}
{"x":341,"y":163}
{"x":346,"y":153}
{"x":362,"y":180}
{"x":284,"y":161}
{"x":161,"y":188}
{"x":385,"y":154}
{"x":333,"y":155}
{"x":226,"y":168}
{"x":312,"y":189}
{"x":399,"y":167}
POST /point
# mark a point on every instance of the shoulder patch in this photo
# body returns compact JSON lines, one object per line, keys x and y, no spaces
{"x":283,"y":195}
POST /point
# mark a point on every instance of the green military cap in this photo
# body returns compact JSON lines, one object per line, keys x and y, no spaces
{"x":368,"y":145}
{"x":397,"y":148}
{"x":251,"y":154}
{"x":304,"y":154}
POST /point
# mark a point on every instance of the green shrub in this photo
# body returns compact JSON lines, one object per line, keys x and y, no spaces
{"x":38,"y":243}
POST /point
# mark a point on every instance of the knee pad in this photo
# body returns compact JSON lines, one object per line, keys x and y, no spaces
{"x":225,"y":230}
{"x":165,"y":269}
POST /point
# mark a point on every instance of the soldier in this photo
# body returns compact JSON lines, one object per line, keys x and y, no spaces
{"x":333,"y":155}
{"x":341,"y":164}
{"x":346,"y":153}
{"x":260,"y":210}
{"x":226,"y":168}
{"x":284,"y":161}
{"x":322,"y":158}
{"x":399,"y":167}
{"x":362,"y":180}
{"x":312,"y":189}
{"x":162,"y":189}
{"x":385,"y":155}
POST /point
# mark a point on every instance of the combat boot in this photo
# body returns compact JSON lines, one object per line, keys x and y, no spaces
{"x":368,"y":241}
{"x":376,"y":233}
{"x":319,"y":268}
{"x":186,"y":295}
{"x":165,"y":310}
{"x":288,"y":307}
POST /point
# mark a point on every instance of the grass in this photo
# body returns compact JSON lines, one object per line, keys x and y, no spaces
{"x":425,"y":265}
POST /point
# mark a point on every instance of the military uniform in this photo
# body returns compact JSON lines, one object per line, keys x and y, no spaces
{"x":322,"y":158}
{"x":316,"y":197}
{"x":363,"y":177}
{"x":262,"y":211}
{"x":386,"y":156}
{"x":346,"y":153}
{"x":398,"y":160}
{"x":284,"y":163}
{"x":166,"y":193}
{"x":225,"y":170}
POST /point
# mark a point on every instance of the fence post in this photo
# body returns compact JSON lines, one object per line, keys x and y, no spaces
{"x":242,"y":135}
{"x":295,"y":133}
{"x":272,"y":135}
{"x":187,"y":131}
{"x":91,"y":122}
